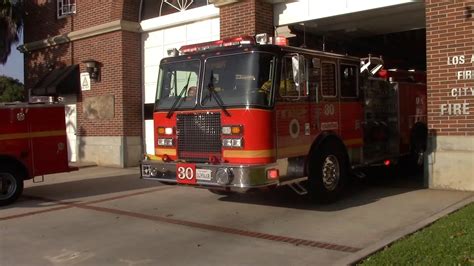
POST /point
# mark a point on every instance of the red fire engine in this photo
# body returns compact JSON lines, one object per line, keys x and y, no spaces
{"x":239,"y":114}
{"x":32,"y":143}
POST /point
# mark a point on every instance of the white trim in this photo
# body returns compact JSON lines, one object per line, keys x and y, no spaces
{"x":287,"y":12}
{"x":179,"y":18}
{"x":117,"y":25}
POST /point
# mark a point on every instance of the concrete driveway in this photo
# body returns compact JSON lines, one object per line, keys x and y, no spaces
{"x":107,"y":216}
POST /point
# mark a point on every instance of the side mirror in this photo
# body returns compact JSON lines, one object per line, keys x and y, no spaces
{"x":295,"y":62}
{"x":299,"y":75}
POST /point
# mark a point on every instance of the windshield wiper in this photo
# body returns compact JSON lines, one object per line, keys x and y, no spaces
{"x":217,"y":97}
{"x":178,"y":99}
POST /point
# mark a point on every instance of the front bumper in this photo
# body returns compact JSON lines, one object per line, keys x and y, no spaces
{"x":240,"y":178}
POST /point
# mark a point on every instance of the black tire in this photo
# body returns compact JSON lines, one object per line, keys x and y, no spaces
{"x":221,"y":192}
{"x":11,"y":186}
{"x":328,"y":172}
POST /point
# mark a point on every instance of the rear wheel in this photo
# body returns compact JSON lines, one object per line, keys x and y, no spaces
{"x":327,"y":172}
{"x":11,"y":186}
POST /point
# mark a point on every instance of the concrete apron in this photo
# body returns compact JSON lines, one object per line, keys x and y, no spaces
{"x":108,"y":216}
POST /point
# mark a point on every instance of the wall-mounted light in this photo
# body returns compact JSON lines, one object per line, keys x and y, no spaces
{"x":93,"y":68}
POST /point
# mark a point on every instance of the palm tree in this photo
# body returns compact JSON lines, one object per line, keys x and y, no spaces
{"x":11,"y":24}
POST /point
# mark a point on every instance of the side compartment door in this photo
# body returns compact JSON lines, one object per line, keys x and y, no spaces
{"x":48,"y":139}
{"x":14,"y":139}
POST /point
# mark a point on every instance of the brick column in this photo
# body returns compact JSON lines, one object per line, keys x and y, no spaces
{"x":450,"y":73}
{"x":109,"y":115}
{"x":247,"y":17}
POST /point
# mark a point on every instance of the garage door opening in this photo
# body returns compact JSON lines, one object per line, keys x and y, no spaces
{"x":403,"y":51}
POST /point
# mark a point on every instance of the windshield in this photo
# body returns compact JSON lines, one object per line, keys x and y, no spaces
{"x":177,"y":85}
{"x":236,"y":80}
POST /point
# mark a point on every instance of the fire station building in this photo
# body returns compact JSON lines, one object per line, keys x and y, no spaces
{"x":101,"y":58}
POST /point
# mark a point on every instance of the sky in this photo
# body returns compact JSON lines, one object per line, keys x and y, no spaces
{"x":14,"y":66}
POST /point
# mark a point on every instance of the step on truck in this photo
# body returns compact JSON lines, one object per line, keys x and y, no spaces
{"x":33,"y":143}
{"x":249,"y":113}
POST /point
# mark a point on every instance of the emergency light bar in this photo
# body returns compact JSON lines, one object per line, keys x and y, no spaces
{"x":192,"y":48}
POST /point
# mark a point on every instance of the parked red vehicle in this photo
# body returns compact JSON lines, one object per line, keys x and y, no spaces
{"x":234,"y":115}
{"x":32,"y":143}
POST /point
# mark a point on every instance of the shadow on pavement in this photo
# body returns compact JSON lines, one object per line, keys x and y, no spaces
{"x":73,"y":191}
{"x":379,"y":183}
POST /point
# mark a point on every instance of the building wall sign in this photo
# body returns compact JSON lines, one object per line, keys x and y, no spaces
{"x":466,"y":74}
{"x":85,"y":81}
{"x":99,"y":107}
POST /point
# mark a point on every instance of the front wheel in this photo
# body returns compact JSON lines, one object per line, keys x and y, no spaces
{"x":11,"y":186}
{"x":327,"y":172}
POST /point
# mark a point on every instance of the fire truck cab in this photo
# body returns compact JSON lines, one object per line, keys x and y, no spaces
{"x":32,"y":143}
{"x":236,"y":114}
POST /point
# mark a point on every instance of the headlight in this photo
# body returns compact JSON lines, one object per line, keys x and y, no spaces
{"x":227,"y":142}
{"x":232,"y":130}
{"x":165,"y":131}
{"x":165,"y":142}
{"x":232,"y":143}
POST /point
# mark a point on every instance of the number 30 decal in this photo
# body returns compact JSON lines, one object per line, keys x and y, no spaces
{"x":185,"y":173}
{"x":329,"y":109}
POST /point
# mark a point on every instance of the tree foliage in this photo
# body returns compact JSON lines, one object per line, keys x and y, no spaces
{"x":11,"y":90}
{"x":11,"y":24}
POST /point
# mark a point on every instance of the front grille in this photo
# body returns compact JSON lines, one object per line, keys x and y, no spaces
{"x":199,"y":136}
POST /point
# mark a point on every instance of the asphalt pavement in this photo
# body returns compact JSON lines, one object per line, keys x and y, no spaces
{"x":108,"y":216}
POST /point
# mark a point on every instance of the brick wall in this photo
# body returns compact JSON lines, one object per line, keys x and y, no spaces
{"x":131,"y":80}
{"x":118,"y":52}
{"x":105,"y":49}
{"x":41,"y":20}
{"x":449,"y":37}
{"x":247,"y":17}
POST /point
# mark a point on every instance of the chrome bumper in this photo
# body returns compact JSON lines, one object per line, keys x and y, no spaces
{"x":240,"y":177}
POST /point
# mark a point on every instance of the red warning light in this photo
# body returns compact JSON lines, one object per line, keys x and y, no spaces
{"x":282,"y":41}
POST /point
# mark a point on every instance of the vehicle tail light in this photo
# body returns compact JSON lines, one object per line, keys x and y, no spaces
{"x":273,"y":174}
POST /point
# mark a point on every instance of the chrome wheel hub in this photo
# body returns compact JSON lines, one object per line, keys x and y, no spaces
{"x":7,"y":186}
{"x":331,"y":172}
